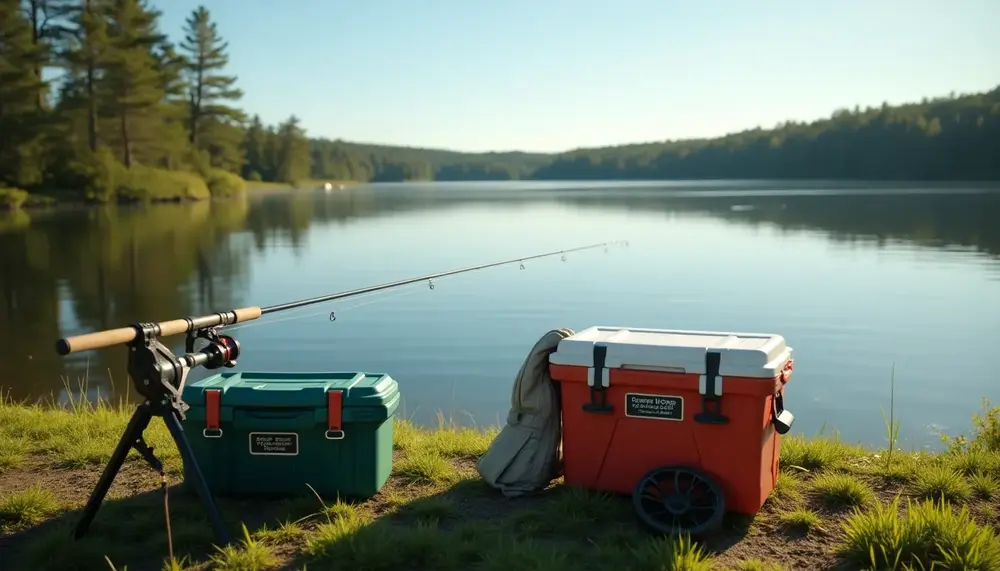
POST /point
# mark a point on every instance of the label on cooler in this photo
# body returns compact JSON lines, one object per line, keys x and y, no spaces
{"x":274,"y":444}
{"x":659,"y":407}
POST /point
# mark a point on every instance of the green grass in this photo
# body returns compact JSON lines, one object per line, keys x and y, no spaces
{"x":147,"y":184}
{"x":974,"y":461}
{"x":838,"y":491}
{"x":788,"y":490}
{"x":816,"y":454}
{"x":435,"y":513}
{"x":249,"y":555}
{"x":27,"y":507}
{"x":984,"y":486}
{"x":223,"y":184}
{"x":934,"y":482}
{"x":929,"y":535}
{"x":800,"y":520}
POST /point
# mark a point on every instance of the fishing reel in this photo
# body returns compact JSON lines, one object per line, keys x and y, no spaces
{"x":221,"y":351}
{"x":159,"y":375}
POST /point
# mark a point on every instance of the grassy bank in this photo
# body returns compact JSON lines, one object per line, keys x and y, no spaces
{"x":837,"y":506}
{"x":100,"y":178}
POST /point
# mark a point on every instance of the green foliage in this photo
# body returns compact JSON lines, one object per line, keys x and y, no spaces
{"x":224,"y":184}
{"x":11,"y":198}
{"x":119,"y":120}
{"x":985,"y":433}
{"x":145,"y":184}
{"x":94,"y":174}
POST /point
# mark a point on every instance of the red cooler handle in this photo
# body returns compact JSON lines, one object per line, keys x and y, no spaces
{"x":212,"y":406}
{"x":334,"y":404}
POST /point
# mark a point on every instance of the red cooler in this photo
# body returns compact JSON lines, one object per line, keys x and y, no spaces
{"x":708,"y":404}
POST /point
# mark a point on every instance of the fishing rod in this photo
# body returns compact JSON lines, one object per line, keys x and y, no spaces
{"x":121,"y":335}
{"x":159,"y":376}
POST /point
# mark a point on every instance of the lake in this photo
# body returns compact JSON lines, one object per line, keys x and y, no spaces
{"x":864,"y":281}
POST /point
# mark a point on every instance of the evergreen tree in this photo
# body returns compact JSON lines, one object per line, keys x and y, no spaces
{"x":293,"y":161}
{"x":19,"y":88}
{"x":171,"y":146}
{"x":44,"y":17}
{"x":84,"y":55}
{"x":253,"y":149}
{"x":134,"y":82}
{"x":205,"y":55}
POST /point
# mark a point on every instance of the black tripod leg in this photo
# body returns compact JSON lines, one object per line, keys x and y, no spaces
{"x":136,"y":425}
{"x":177,"y":431}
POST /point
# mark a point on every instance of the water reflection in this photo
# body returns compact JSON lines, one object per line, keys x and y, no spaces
{"x":105,"y":267}
{"x":79,"y":271}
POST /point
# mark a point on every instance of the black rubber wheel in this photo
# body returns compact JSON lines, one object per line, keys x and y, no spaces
{"x":675,"y":499}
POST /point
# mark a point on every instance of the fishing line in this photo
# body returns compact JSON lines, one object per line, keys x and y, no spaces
{"x":377,"y":296}
{"x":374,"y":297}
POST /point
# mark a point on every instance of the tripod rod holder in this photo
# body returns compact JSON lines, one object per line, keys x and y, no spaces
{"x":159,"y":376}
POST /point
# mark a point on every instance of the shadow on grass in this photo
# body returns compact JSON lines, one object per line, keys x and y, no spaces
{"x":460,"y":525}
{"x":468,"y":525}
{"x":132,"y":531}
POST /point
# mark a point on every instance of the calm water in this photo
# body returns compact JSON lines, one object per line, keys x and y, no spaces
{"x":858,"y":279}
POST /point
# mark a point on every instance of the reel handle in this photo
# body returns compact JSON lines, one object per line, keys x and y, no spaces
{"x":122,"y":335}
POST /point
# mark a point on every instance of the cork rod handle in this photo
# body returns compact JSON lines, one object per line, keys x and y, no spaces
{"x":121,"y":335}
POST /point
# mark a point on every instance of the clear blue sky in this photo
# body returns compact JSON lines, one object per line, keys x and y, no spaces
{"x":551,"y":75}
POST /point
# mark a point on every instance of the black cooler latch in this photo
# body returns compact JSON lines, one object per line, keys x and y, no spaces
{"x":711,"y":397}
{"x":598,"y":395}
{"x":781,"y":419}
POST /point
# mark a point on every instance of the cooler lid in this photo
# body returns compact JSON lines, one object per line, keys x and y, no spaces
{"x":294,"y":390}
{"x":679,"y":351}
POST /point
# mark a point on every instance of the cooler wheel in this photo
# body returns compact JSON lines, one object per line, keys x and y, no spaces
{"x":675,"y":499}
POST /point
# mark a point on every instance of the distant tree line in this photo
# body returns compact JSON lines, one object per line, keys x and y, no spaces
{"x":945,"y":138}
{"x":96,"y":101}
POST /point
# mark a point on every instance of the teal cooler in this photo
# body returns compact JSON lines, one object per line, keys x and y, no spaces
{"x":273,"y":433}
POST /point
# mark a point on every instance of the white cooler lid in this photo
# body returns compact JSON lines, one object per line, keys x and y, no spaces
{"x":742,"y":354}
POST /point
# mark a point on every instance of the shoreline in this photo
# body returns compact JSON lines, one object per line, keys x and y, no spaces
{"x":49,"y":201}
{"x":830,"y":504}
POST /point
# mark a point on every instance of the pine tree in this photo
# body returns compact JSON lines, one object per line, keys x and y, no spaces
{"x":133,"y":80}
{"x":293,"y":160}
{"x":46,"y":18}
{"x":253,"y":150}
{"x":205,"y":54}
{"x":172,"y":146}
{"x":85,"y":54}
{"x":19,"y":86}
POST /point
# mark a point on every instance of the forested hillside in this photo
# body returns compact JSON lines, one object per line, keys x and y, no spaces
{"x":945,"y":138}
{"x":97,"y":103}
{"x":956,"y":138}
